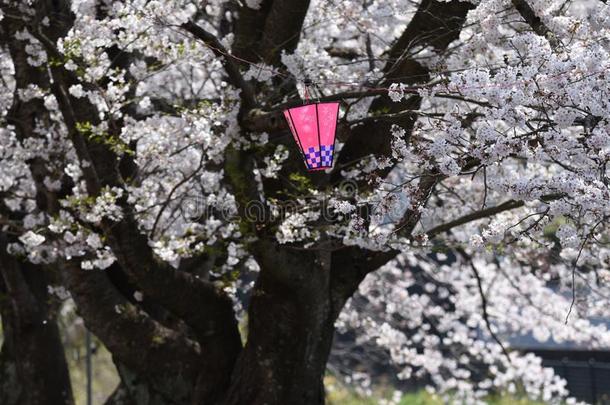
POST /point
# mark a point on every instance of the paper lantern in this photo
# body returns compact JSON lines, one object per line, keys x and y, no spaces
{"x":313,"y":127}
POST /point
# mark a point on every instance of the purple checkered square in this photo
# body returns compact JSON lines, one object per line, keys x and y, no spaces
{"x":319,"y":157}
{"x":312,"y":157}
{"x":327,"y":155}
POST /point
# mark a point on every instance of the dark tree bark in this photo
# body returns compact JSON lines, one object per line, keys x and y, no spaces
{"x":120,"y":396}
{"x":300,"y":293}
{"x":290,"y":330}
{"x":32,"y":358}
{"x":33,"y":368}
{"x":10,"y":387}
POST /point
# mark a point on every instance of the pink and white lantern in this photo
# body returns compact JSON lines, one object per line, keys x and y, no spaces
{"x":313,"y":127}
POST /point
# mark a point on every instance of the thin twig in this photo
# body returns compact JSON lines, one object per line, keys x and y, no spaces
{"x":582,"y":246}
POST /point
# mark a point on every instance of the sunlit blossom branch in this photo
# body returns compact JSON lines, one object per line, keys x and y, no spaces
{"x":484,"y":213}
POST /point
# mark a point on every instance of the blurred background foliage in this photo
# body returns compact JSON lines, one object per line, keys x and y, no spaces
{"x":339,"y":394}
{"x":104,"y":374}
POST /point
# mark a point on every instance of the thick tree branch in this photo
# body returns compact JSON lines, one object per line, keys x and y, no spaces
{"x":231,"y":67}
{"x":116,"y":321}
{"x":261,"y":35}
{"x":434,"y":24}
{"x":282,"y":29}
{"x":411,"y":217}
{"x":273,"y":121}
{"x":281,"y":23}
{"x":484,"y":213}
{"x":506,"y":206}
{"x":248,"y":30}
{"x":156,"y":280}
{"x":361,"y":261}
{"x":539,"y":27}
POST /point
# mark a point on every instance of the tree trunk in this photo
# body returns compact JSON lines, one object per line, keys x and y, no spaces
{"x":120,"y":396}
{"x":10,"y":388}
{"x":32,"y":357}
{"x":291,"y":326}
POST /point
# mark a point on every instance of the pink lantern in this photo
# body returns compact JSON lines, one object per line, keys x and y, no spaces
{"x":313,"y":127}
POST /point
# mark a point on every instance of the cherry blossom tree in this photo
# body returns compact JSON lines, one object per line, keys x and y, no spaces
{"x":147,"y":174}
